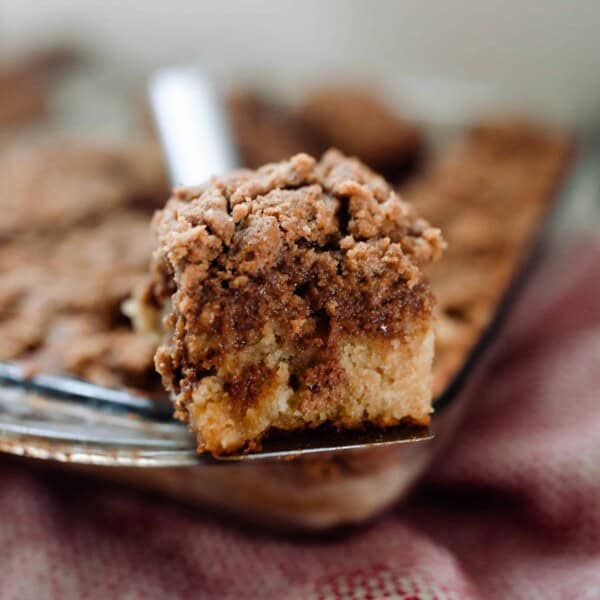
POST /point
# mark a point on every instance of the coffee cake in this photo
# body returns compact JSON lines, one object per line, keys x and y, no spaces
{"x":294,"y":298}
{"x":74,"y":240}
{"x":479,"y":190}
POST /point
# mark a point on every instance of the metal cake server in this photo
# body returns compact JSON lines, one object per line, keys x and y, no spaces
{"x":61,"y":418}
{"x":69,"y":420}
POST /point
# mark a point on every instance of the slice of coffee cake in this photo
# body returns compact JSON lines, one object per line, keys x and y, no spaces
{"x":294,"y":297}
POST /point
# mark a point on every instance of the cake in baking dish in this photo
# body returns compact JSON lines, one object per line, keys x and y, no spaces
{"x":63,"y":281}
{"x":293,"y":296}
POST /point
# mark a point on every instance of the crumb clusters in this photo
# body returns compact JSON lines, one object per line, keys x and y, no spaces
{"x":488,"y":192}
{"x":270,"y":273}
{"x":74,"y":241}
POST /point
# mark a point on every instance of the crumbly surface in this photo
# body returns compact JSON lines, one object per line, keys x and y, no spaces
{"x":47,"y":188}
{"x":488,"y":192}
{"x":271,"y":276}
{"x":74,"y":241}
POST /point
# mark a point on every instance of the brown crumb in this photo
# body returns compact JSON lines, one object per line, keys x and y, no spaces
{"x":74,"y":241}
{"x":488,"y":193}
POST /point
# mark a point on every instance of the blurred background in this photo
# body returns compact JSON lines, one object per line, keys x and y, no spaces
{"x":543,"y":52}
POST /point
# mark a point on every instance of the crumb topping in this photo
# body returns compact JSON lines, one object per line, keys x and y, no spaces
{"x":74,"y":241}
{"x":335,"y":205}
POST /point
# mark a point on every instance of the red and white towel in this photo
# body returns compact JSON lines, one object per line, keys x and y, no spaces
{"x":511,"y":511}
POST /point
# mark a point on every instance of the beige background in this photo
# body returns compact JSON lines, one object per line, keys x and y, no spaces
{"x":548,"y":51}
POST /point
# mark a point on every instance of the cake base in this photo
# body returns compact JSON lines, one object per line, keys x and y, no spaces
{"x":377,"y":380}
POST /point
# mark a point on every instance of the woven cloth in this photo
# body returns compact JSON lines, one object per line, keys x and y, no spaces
{"x":512,"y":510}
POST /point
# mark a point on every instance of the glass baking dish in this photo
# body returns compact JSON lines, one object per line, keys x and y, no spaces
{"x":321,"y":491}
